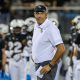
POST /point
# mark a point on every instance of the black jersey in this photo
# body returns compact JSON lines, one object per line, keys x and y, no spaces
{"x":15,"y":43}
{"x":2,"y":45}
{"x":77,"y":42}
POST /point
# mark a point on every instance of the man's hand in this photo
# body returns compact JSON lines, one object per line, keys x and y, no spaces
{"x":45,"y":69}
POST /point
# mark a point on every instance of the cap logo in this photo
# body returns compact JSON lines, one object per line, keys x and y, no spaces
{"x":39,"y":6}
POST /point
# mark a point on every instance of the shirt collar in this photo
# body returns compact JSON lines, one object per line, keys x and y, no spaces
{"x":43,"y":25}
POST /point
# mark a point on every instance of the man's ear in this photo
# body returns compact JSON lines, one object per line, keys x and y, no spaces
{"x":46,"y":14}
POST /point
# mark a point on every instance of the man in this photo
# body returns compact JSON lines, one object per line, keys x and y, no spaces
{"x":15,"y":44}
{"x":76,"y":47}
{"x":48,"y":47}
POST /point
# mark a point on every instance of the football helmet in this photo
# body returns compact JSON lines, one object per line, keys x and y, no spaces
{"x":55,"y":21}
{"x":30,"y":23}
{"x":76,"y":23}
{"x":16,"y":24}
{"x":4,"y":28}
{"x":76,"y":20}
{"x":78,"y":27}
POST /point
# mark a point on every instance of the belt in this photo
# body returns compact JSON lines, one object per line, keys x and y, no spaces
{"x":47,"y":62}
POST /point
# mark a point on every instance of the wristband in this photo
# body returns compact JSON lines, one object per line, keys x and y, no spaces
{"x":50,"y":65}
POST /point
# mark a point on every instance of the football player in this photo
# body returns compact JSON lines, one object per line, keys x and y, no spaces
{"x":2,"y":51}
{"x":30,"y":22}
{"x":75,"y":49}
{"x":15,"y":42}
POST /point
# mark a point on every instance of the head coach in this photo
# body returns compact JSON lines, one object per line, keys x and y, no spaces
{"x":47,"y":44}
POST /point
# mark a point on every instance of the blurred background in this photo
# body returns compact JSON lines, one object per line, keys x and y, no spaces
{"x":63,"y":10}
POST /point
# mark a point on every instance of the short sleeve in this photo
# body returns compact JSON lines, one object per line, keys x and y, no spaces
{"x":54,"y":35}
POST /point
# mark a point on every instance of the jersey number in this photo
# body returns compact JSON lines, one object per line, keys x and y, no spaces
{"x":14,"y":47}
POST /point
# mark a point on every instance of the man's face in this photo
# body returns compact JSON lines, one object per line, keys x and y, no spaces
{"x":17,"y":30}
{"x":40,"y":17}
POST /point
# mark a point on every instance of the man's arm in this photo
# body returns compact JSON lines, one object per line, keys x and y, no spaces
{"x":74,"y":54}
{"x":58,"y":54}
{"x":3,"y":57}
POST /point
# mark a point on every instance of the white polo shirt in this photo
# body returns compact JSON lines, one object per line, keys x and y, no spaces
{"x":45,"y":38}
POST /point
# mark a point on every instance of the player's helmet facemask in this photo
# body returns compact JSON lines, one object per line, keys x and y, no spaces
{"x":17,"y":30}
